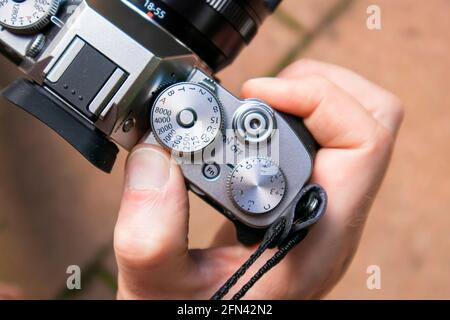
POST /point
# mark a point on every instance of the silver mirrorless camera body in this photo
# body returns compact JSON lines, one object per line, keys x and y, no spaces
{"x":121,"y":72}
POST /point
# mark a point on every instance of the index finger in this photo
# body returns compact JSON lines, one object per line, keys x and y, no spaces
{"x":383,"y":105}
{"x":335,"y":118}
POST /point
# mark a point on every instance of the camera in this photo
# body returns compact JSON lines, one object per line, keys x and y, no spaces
{"x":101,"y":73}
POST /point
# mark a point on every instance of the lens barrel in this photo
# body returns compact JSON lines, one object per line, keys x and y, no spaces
{"x":216,"y":30}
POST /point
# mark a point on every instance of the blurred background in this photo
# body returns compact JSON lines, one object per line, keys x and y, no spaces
{"x":57,"y":210}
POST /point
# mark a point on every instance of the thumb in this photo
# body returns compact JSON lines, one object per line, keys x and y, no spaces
{"x":152,"y":227}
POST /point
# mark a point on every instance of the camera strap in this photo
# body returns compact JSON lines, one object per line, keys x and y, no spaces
{"x":310,"y":208}
{"x":271,"y":236}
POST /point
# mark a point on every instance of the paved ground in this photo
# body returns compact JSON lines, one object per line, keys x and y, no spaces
{"x":55,"y":210}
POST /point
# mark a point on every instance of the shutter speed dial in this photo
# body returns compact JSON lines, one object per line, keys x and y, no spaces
{"x":257,"y":185}
{"x":186,"y":117}
{"x":27,"y":16}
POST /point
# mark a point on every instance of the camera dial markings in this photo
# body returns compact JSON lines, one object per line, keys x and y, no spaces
{"x":257,"y":185}
{"x":186,"y":117}
{"x":27,"y":16}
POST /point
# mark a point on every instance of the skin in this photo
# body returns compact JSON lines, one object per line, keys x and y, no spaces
{"x":8,"y":292}
{"x":355,"y":122}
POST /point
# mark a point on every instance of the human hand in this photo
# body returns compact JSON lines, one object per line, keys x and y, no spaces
{"x":354,"y":121}
{"x":8,"y":292}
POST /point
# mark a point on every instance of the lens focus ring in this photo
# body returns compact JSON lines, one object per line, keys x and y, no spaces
{"x":236,"y":15}
{"x":216,"y":30}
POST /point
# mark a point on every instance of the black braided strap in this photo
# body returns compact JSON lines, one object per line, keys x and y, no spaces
{"x":286,"y":233}
{"x":271,"y":237}
{"x":272,"y":262}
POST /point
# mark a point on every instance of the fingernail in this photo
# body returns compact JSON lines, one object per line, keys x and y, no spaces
{"x":148,"y":168}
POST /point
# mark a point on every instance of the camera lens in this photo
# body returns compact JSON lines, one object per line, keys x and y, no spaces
{"x":216,"y":30}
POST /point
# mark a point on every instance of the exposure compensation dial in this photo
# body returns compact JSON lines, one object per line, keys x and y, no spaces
{"x":27,"y":16}
{"x":186,"y":117}
{"x":257,"y":185}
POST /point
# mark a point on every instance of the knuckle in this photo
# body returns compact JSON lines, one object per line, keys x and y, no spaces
{"x":398,"y":109}
{"x":141,"y":198}
{"x":136,"y":248}
{"x":321,"y":83}
{"x":394,"y":106}
{"x":323,"y":88}
{"x":319,"y":80}
{"x":304,"y":63}
{"x":135,"y":253}
{"x":385,"y":136}
{"x":383,"y":139}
